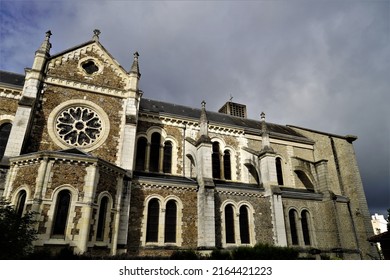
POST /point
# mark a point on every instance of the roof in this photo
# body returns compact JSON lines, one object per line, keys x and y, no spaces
{"x":11,"y":78}
{"x":384,"y":236}
{"x":248,"y":125}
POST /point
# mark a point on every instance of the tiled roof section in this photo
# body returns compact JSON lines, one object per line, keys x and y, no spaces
{"x":248,"y":125}
{"x":11,"y":78}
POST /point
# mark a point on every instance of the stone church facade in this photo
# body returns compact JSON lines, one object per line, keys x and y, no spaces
{"x":108,"y":171}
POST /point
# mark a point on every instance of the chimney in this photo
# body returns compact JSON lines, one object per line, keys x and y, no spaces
{"x":234,"y":109}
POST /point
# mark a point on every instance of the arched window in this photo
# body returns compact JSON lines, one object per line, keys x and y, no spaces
{"x":102,"y":219}
{"x":155,"y":152}
{"x":21,"y":202}
{"x":293,"y":226}
{"x":170,"y":222}
{"x":216,"y":163}
{"x":152,"y":220}
{"x":61,"y":213}
{"x":227,"y":165}
{"x":5,"y":130}
{"x":141,"y":151}
{"x":305,"y":227}
{"x":279,"y":172}
{"x":244,"y":225}
{"x":229,"y":224}
{"x":167,"y":162}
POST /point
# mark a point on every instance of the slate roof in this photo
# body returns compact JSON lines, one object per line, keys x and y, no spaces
{"x":161,"y":108}
{"x":250,"y":126}
{"x":11,"y":78}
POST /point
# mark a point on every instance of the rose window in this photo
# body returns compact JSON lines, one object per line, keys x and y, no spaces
{"x":79,"y":126}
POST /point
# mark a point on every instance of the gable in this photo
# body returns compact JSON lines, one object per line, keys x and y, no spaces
{"x":89,"y":67}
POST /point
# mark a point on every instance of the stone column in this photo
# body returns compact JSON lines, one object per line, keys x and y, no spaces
{"x":280,"y":236}
{"x":91,"y":179}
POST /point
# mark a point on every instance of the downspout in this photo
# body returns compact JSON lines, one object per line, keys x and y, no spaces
{"x":184,"y":150}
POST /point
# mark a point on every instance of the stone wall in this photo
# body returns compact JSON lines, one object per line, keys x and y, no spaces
{"x":26,"y":176}
{"x":69,"y":69}
{"x":344,"y":179}
{"x":8,"y":106}
{"x":262,"y":215}
{"x":189,"y":232}
{"x":53,"y":97}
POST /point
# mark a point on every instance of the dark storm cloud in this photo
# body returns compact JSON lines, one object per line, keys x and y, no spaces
{"x":317,"y":64}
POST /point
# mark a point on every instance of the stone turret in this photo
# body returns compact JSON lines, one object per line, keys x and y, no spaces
{"x":31,"y":90}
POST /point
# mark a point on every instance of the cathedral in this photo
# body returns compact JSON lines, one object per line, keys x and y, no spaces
{"x":107,"y":171}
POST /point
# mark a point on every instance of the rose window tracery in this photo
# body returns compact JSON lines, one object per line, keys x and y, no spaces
{"x":79,"y":126}
{"x":78,"y":123}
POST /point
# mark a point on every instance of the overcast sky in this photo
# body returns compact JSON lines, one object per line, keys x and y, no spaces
{"x":323,"y":65}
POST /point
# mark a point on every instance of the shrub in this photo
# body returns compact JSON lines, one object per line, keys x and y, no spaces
{"x":264,"y":252}
{"x":16,"y":233}
{"x":218,"y":254}
{"x":184,"y":255}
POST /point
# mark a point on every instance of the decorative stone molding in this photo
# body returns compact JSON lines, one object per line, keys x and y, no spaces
{"x":165,"y":187}
{"x":78,"y":123}
{"x":238,"y":193}
{"x":88,"y":87}
{"x":94,"y":47}
{"x":10,"y":93}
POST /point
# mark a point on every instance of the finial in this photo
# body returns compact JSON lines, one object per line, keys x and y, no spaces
{"x":265,"y":143}
{"x":96,"y":34}
{"x":135,"y":67}
{"x":204,"y":130}
{"x":46,"y":45}
{"x":48,"y":34}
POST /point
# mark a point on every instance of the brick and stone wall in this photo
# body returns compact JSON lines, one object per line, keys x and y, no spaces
{"x":262,"y":219}
{"x":189,"y":232}
{"x":55,"y":96}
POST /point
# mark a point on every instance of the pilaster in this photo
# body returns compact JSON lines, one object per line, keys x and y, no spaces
{"x":91,"y":179}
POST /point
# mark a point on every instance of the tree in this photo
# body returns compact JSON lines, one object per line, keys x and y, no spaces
{"x":16,"y":232}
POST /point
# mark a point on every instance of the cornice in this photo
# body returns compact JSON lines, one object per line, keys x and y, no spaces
{"x":11,"y":93}
{"x":88,"y":87}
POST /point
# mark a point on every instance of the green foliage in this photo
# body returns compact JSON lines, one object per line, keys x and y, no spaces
{"x":16,"y":233}
{"x":264,"y":252}
{"x":184,"y":255}
{"x":220,"y":255}
{"x":257,"y":252}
